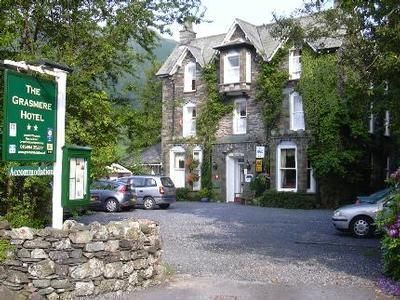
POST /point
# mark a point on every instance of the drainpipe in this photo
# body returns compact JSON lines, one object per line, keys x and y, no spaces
{"x":173,"y":109}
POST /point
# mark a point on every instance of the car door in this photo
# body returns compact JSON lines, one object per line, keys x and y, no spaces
{"x":138,"y":184}
{"x":96,"y":194}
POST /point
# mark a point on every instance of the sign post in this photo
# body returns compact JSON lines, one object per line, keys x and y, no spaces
{"x":40,"y":146}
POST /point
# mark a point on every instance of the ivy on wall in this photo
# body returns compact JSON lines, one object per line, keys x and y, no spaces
{"x":270,"y":83}
{"x":210,"y":113}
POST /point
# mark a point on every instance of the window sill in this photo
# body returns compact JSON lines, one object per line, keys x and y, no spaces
{"x":190,"y":91}
{"x":286,"y":190}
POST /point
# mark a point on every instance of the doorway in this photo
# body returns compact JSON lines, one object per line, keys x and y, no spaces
{"x":234,"y":176}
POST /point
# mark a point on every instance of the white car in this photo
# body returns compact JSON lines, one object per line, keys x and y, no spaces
{"x":359,"y":218}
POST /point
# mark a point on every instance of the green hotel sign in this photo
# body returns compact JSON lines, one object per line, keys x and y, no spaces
{"x":29,"y":118}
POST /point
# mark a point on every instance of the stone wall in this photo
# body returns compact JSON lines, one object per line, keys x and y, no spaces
{"x":81,"y":260}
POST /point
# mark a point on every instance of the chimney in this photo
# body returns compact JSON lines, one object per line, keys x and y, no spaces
{"x":186,"y":34}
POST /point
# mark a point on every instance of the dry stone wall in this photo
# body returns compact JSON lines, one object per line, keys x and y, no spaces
{"x":81,"y":260}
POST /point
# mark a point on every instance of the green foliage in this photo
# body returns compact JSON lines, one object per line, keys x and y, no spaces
{"x":210,"y":113}
{"x":5,"y":247}
{"x":335,"y":117}
{"x":259,"y":185}
{"x":94,"y":38}
{"x":287,"y":200}
{"x":270,"y":82}
{"x":388,"y":221}
{"x":183,"y":194}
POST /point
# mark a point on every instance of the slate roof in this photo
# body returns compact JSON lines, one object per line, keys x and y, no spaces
{"x":203,"y":49}
{"x":151,"y":155}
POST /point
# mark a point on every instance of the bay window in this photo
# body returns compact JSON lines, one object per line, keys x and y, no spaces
{"x":232,"y":67}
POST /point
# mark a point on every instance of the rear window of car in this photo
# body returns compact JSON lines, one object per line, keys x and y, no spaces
{"x":104,"y":185}
{"x":167,"y":182}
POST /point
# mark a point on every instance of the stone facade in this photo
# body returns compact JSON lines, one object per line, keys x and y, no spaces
{"x":233,"y":152}
{"x":81,"y":260}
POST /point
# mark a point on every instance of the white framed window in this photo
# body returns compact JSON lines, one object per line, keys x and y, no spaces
{"x":190,"y":77}
{"x":294,"y":64}
{"x":311,"y":184}
{"x":198,"y":155}
{"x":179,"y":161}
{"x":287,"y":167}
{"x":387,"y":123}
{"x":371,"y":121}
{"x":240,"y":117}
{"x":296,"y":112}
{"x":189,"y":120}
{"x":232,"y":67}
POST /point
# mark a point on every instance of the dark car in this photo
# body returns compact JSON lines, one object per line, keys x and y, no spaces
{"x":111,"y":196}
{"x":375,"y":197}
{"x":152,"y":190}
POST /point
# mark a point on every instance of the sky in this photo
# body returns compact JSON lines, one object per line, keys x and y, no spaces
{"x":222,"y":13}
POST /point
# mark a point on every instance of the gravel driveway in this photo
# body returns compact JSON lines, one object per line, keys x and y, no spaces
{"x":294,"y":247}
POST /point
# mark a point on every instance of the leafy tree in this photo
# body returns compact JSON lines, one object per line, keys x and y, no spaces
{"x":92,"y":37}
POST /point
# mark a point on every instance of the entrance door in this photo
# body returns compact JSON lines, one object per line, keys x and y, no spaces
{"x":234,"y":176}
{"x":177,"y":168}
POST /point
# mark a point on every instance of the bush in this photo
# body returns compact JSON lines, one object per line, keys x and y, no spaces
{"x":23,"y":214}
{"x":287,"y":200}
{"x":388,"y":221}
{"x":183,"y":194}
{"x":259,"y":185}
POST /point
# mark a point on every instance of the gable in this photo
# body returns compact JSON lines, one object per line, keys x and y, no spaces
{"x":237,"y":34}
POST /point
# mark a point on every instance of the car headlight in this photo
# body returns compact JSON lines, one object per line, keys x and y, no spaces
{"x":338,"y":213}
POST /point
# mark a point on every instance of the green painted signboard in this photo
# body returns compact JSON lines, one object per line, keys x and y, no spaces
{"x":29,"y":118}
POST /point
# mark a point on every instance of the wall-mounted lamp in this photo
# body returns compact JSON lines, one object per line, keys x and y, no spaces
{"x":248,"y":166}
{"x":214,"y":165}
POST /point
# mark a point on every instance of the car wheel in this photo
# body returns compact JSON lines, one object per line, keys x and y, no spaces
{"x":149,"y":203}
{"x":111,"y":205}
{"x":164,"y":206}
{"x":361,"y":227}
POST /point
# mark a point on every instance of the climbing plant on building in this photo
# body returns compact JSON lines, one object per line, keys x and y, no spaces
{"x":210,"y":112}
{"x":270,"y":82}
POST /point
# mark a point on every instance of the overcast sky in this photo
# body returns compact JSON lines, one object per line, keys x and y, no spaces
{"x":222,"y":13}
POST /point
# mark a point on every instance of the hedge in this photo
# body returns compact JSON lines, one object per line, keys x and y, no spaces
{"x":287,"y":200}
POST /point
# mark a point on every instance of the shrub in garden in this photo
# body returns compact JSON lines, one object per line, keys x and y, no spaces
{"x":273,"y":198}
{"x":388,"y":221}
{"x":182,"y":194}
{"x":259,"y":184}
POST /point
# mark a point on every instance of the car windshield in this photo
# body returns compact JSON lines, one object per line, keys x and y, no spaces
{"x":167,"y":182}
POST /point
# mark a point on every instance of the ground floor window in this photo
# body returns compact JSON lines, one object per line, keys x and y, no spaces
{"x":287,"y":167}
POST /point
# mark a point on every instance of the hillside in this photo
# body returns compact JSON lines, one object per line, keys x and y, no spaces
{"x":161,"y":52}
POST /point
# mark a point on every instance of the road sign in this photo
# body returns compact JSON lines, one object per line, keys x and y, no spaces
{"x":30,"y":108}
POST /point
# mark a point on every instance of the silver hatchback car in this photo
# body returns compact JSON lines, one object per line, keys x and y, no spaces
{"x":152,"y":190}
{"x":358,"y":218}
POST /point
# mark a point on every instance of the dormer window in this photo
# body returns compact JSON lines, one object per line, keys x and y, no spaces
{"x":240,"y":117}
{"x":294,"y":64}
{"x":189,"y":120}
{"x":232,"y":67}
{"x":190,"y":77}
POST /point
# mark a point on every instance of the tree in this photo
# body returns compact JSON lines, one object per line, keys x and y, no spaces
{"x":92,"y":37}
